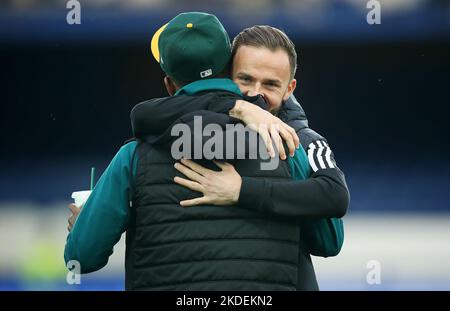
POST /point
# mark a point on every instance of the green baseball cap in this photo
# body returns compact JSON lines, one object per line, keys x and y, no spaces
{"x":192,"y":46}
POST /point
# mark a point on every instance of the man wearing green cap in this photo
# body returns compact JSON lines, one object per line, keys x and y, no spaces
{"x":209,"y":247}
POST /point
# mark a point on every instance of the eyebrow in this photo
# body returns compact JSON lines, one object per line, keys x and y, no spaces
{"x":244,"y":75}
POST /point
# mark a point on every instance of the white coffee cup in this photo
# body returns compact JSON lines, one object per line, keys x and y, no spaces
{"x":80,"y":197}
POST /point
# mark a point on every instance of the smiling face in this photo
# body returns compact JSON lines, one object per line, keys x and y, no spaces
{"x":258,"y":70}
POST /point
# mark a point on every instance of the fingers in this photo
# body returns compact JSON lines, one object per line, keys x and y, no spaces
{"x":186,"y":171}
{"x":264,"y":133}
{"x":74,"y":209}
{"x":275,"y":135}
{"x":196,"y":201}
{"x":195,"y":186}
{"x":294,"y":135}
{"x":287,"y":137}
{"x":223,"y":165}
{"x":195,"y":167}
{"x":71,"y":222}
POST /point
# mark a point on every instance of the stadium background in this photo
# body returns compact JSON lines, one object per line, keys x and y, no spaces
{"x":379,"y":93}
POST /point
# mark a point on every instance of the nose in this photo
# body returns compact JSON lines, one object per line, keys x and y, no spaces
{"x":254,"y":91}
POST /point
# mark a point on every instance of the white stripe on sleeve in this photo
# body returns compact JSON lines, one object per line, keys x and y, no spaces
{"x":327,"y":156}
{"x":311,"y":149}
{"x":319,"y":155}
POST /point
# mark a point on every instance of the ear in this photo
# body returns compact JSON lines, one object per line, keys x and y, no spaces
{"x":290,"y":89}
{"x":171,"y":87}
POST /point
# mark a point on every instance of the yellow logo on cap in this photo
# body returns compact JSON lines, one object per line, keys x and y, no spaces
{"x":155,"y":43}
{"x":189,"y":25}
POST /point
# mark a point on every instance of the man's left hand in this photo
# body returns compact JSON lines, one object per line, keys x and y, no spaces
{"x":218,"y":188}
